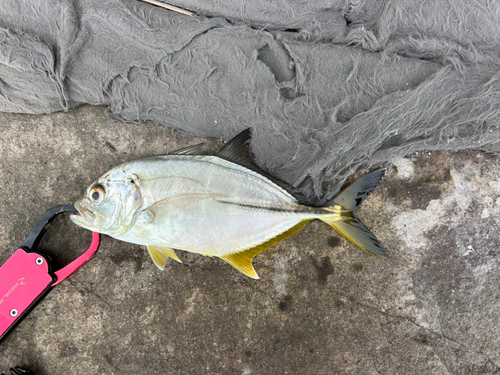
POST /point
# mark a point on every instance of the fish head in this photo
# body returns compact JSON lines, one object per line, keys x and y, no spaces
{"x":111,"y":204}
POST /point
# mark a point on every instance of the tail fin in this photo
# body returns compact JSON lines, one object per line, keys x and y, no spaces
{"x":343,"y":220}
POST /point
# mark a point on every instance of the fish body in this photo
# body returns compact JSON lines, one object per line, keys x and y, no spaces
{"x":216,"y":205}
{"x":207,"y":205}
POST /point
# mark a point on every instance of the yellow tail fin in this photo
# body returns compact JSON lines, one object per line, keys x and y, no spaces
{"x":343,"y":220}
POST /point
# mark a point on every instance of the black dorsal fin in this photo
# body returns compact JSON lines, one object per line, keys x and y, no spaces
{"x":237,"y":151}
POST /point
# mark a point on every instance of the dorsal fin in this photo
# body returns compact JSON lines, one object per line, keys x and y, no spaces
{"x":242,"y":260}
{"x":189,"y":150}
{"x":237,"y":150}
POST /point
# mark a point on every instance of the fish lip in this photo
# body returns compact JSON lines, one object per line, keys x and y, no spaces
{"x":81,"y":217}
{"x":78,"y":211}
{"x":77,"y":217}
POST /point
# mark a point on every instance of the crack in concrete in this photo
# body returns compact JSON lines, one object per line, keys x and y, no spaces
{"x":408,"y":319}
{"x":86,"y":290}
{"x":348,"y":298}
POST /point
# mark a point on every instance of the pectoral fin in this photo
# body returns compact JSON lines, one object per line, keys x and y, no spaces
{"x":242,"y":260}
{"x":172,"y":206}
{"x":160,"y":255}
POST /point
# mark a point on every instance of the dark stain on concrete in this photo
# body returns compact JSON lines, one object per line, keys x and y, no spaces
{"x":108,"y":359}
{"x":130,"y":254}
{"x":431,"y":178}
{"x":119,"y":258}
{"x":358,"y":267}
{"x":324,"y":269}
{"x":285,"y":303}
{"x":333,"y":241}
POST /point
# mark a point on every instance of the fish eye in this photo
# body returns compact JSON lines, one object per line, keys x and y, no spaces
{"x":96,"y":195}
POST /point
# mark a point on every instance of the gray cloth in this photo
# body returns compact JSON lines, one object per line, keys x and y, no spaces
{"x":328,"y":86}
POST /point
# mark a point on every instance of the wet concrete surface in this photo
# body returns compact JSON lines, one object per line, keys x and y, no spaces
{"x":322,"y":306}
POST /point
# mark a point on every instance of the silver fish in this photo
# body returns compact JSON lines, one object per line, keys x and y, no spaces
{"x":220,"y":205}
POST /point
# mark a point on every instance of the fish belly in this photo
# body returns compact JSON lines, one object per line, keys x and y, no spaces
{"x":215,"y":229}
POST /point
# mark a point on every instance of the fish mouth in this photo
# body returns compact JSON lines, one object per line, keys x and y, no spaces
{"x":82,"y":217}
{"x":77,"y":217}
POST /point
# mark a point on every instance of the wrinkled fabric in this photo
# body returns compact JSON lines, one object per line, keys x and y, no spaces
{"x":328,"y":86}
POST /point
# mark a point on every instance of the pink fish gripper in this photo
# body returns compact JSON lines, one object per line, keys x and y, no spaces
{"x":28,"y":275}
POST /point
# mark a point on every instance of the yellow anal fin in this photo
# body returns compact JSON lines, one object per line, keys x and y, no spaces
{"x":161,"y":254}
{"x":242,"y":260}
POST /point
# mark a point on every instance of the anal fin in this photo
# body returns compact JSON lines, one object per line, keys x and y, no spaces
{"x":159,"y":255}
{"x":242,"y":260}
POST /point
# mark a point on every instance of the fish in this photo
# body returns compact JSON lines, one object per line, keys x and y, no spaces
{"x":220,"y":205}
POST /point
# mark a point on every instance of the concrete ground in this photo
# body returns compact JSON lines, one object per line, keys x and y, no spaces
{"x":322,"y":306}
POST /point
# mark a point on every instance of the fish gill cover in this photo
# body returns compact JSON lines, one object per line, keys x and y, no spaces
{"x":328,"y":86}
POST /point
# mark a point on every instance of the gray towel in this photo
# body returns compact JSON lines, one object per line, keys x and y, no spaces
{"x":328,"y":86}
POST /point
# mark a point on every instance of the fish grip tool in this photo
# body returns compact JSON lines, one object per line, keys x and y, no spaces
{"x":28,"y":275}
